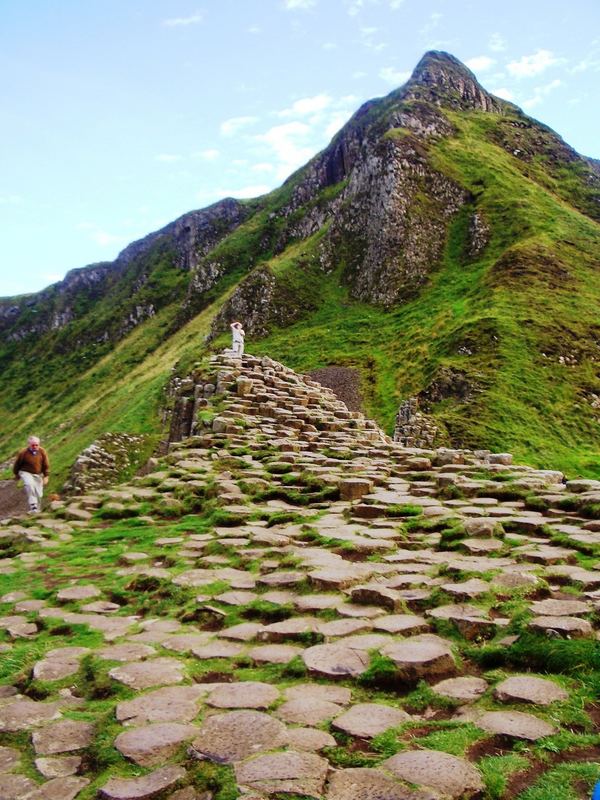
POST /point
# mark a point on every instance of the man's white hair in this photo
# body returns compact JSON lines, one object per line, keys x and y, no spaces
{"x":33,"y":440}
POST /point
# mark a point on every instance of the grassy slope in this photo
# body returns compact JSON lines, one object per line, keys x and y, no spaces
{"x":527,"y":403}
{"x":530,"y":404}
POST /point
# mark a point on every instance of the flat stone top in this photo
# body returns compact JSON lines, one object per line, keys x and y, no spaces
{"x":307,"y":711}
{"x":515,"y":724}
{"x":454,"y":777}
{"x":529,"y":690}
{"x":244,"y":694}
{"x":235,"y":735}
{"x":370,"y":719}
{"x":463,"y":689}
{"x":145,"y":674}
{"x":317,"y":691}
{"x":363,"y":783}
{"x":413,"y":651}
{"x":559,"y":608}
{"x":287,"y":772}
{"x":170,"y":704}
{"x":144,"y":788}
{"x":78,"y":592}
{"x":335,"y":660}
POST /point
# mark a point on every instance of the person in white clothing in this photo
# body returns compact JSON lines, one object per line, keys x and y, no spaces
{"x":238,"y":335}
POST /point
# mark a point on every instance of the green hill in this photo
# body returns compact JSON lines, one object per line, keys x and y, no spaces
{"x":444,"y":244}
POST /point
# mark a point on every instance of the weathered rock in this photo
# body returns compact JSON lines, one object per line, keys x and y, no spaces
{"x":453,"y":777}
{"x":559,"y":608}
{"x":58,"y":766}
{"x":307,"y":711}
{"x":335,"y":661}
{"x":515,"y":724}
{"x":146,"y":787}
{"x":372,"y":784}
{"x":153,"y":744}
{"x":244,"y":694}
{"x":20,"y":715}
{"x":67,"y":788}
{"x":417,"y":658}
{"x":463,"y":689}
{"x":309,"y":739}
{"x":171,"y":704}
{"x":233,"y":736}
{"x":366,"y":720}
{"x":145,"y":674}
{"x":318,"y":691}
{"x":288,"y":772}
{"x":572,"y":627}
{"x":528,"y":689}
{"x":62,"y":737}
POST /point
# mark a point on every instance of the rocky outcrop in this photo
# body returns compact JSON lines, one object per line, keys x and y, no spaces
{"x":412,"y":428}
{"x":105,"y":462}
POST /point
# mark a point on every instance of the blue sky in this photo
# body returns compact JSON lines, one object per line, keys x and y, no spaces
{"x":117,"y":116}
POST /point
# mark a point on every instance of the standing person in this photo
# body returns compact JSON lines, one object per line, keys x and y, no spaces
{"x":238,"y":335}
{"x":32,"y":467}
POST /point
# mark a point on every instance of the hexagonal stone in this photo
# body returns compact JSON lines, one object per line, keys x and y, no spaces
{"x":292,"y":628}
{"x":186,"y":642}
{"x":463,"y":690}
{"x":515,"y":580}
{"x":317,"y":691}
{"x":527,"y":689}
{"x":129,"y":651}
{"x":370,"y":719}
{"x":153,"y":744}
{"x":281,"y":578}
{"x":420,"y":658}
{"x":243,"y":632}
{"x":559,"y":608}
{"x":401,"y":623}
{"x":243,"y":694}
{"x":15,"y":787}
{"x":58,"y":766}
{"x":451,"y":776}
{"x":362,"y":783}
{"x":335,"y":661}
{"x":309,"y":739}
{"x":274,"y":653}
{"x":171,"y":704}
{"x":78,"y":592}
{"x":62,"y":737}
{"x":235,"y":735}
{"x":218,"y":649}
{"x":145,"y":674}
{"x":307,"y":711}
{"x":20,"y":715}
{"x":565,"y":626}
{"x":469,"y":589}
{"x":288,"y":772}
{"x":145,"y":788}
{"x":316,"y":602}
{"x":59,"y":663}
{"x":515,"y":724}
{"x":9,"y":758}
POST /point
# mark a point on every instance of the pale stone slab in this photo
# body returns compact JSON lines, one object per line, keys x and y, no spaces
{"x":453,"y":777}
{"x":145,"y":788}
{"x":235,"y":735}
{"x":151,"y":745}
{"x":243,"y":694}
{"x":287,"y":772}
{"x":366,"y":720}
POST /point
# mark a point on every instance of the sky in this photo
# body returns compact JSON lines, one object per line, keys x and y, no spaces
{"x":118,"y":116}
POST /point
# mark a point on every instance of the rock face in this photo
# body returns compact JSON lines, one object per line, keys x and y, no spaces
{"x":104,"y":462}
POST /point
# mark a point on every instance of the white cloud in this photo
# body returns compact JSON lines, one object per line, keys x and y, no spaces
{"x":207,"y":155}
{"x":306,"y":105}
{"x":480,"y":63}
{"x":434,"y":21}
{"x":230,"y":127}
{"x":168,"y":158}
{"x":504,"y":93}
{"x":359,"y":74}
{"x":262,"y":166}
{"x":101,"y":237}
{"x":10,"y":200}
{"x":496,"y":43}
{"x":290,"y":144}
{"x":255,"y":29}
{"x":177,"y":22}
{"x":329,"y":46}
{"x":243,"y":191}
{"x":393,"y":76}
{"x":394,"y":4}
{"x":540,"y":92}
{"x":529,"y":66}
{"x":301,"y":5}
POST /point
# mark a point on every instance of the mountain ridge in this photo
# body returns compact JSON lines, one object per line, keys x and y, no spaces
{"x":442,"y":232}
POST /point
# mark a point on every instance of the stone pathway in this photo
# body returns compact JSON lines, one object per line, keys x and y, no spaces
{"x":292,"y":604}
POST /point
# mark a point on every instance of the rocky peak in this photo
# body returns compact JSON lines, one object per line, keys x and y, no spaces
{"x":440,"y":78}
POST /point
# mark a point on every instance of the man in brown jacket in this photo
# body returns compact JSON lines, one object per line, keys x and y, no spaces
{"x":32,"y":467}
